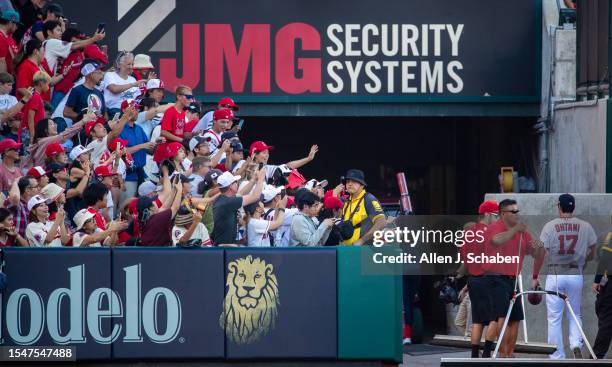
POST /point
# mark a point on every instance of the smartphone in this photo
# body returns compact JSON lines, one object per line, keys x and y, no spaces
{"x":116,"y":116}
{"x":101,"y":27}
{"x":261,"y":165}
{"x":240,"y":123}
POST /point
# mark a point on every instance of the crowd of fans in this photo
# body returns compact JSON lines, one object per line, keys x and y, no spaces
{"x":93,"y":156}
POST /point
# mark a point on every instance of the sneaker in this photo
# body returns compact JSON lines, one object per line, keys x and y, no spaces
{"x":407,"y":341}
{"x":577,"y":353}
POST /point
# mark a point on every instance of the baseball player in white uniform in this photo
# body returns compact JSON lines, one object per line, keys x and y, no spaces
{"x":570,"y":243}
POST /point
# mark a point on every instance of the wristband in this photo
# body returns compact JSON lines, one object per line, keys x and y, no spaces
{"x":22,"y":101}
{"x":280,"y":209}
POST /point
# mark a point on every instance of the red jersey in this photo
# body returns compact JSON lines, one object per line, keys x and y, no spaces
{"x":510,"y":248}
{"x":190,"y":125}
{"x":35,"y":104}
{"x":8,"y":50}
{"x":25,"y":74}
{"x":76,"y":59}
{"x":474,"y":246}
{"x":174,"y":122}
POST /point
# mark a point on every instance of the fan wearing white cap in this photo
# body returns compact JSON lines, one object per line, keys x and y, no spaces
{"x":226,"y":206}
{"x":41,"y":232}
{"x":86,"y":95}
{"x":89,"y":235}
{"x":271,"y":199}
{"x":155,"y":90}
{"x":316,"y":187}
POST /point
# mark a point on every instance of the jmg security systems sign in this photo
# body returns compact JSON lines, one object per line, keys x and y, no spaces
{"x":332,"y":51}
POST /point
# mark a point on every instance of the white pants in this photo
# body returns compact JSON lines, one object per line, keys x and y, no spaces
{"x":571,"y":285}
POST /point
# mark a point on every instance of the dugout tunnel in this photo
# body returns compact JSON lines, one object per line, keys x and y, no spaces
{"x":450,"y":164}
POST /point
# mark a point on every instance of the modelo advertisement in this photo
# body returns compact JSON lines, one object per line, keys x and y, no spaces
{"x":339,"y":51}
{"x":172,"y":303}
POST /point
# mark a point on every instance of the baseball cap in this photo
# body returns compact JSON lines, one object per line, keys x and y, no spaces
{"x":567,"y":203}
{"x":228,"y":135}
{"x":193,"y":107}
{"x":11,"y":16}
{"x":236,"y":146}
{"x":144,"y":202}
{"x":53,"y":149}
{"x":223,"y":114}
{"x":489,"y":206}
{"x":7,"y":144}
{"x":228,"y":103}
{"x":104,"y":171}
{"x":81,"y":217}
{"x":173,"y":148}
{"x":332,"y":202}
{"x":129,"y":102}
{"x":51,"y":191}
{"x":313,"y":183}
{"x":36,"y":172}
{"x":78,"y":150}
{"x":155,"y":84}
{"x":211,"y":177}
{"x":226,"y":179}
{"x":90,"y":68}
{"x":197,"y":140}
{"x":147,"y":188}
{"x":295,"y":179}
{"x":259,"y":146}
{"x":35,"y":200}
{"x":91,"y":124}
{"x":112,"y":146}
{"x":269,"y":193}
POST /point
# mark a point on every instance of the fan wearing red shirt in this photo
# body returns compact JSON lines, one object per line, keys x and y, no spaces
{"x":8,"y":48}
{"x":478,"y":284}
{"x":33,"y":56}
{"x":34,"y":109}
{"x":508,"y":237}
{"x":173,"y":121}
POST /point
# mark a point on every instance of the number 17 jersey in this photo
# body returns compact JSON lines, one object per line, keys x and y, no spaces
{"x":567,"y":241}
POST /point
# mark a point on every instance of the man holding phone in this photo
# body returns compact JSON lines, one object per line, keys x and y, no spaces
{"x":84,"y":96}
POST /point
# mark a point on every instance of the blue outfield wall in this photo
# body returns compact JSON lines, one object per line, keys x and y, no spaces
{"x":171,"y":304}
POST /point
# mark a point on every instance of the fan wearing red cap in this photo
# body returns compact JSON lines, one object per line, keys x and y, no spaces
{"x":222,"y":120}
{"x":206,"y":121}
{"x":260,"y":151}
{"x":175,"y":153}
{"x":9,"y":171}
{"x":481,"y":297}
{"x":100,"y":137}
{"x":55,"y":153}
{"x":173,"y":121}
{"x":39,"y":174}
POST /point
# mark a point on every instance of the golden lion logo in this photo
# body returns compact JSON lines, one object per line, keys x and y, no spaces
{"x":251,"y":301}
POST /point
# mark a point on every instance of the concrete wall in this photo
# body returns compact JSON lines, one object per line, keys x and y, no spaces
{"x":597,"y":209}
{"x":578,"y":147}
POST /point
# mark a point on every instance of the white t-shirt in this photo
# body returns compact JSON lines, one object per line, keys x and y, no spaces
{"x":258,"y":233}
{"x":205,"y":122}
{"x":100,"y":146}
{"x":36,"y":233}
{"x":567,"y":241}
{"x":114,"y":100}
{"x":148,"y":125}
{"x":200,"y":233}
{"x":78,"y":237}
{"x":7,"y":101}
{"x":55,"y":49}
{"x":282,"y":234}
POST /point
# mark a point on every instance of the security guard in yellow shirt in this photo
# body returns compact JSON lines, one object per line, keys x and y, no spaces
{"x":362,"y":209}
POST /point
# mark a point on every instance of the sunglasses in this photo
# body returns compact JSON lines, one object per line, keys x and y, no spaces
{"x":516,"y":211}
{"x":188,"y":96}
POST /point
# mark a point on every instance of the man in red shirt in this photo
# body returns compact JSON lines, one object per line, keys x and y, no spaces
{"x":508,"y":237}
{"x":8,"y":48}
{"x":478,"y":283}
{"x":34,"y":109}
{"x":173,"y":121}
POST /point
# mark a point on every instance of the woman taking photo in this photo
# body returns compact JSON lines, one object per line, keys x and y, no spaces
{"x":8,"y":234}
{"x":41,"y":232}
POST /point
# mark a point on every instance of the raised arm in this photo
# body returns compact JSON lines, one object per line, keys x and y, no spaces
{"x":300,"y":162}
{"x":256,"y":192}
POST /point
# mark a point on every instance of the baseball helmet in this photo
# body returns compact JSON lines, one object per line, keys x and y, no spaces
{"x":535,"y":298}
